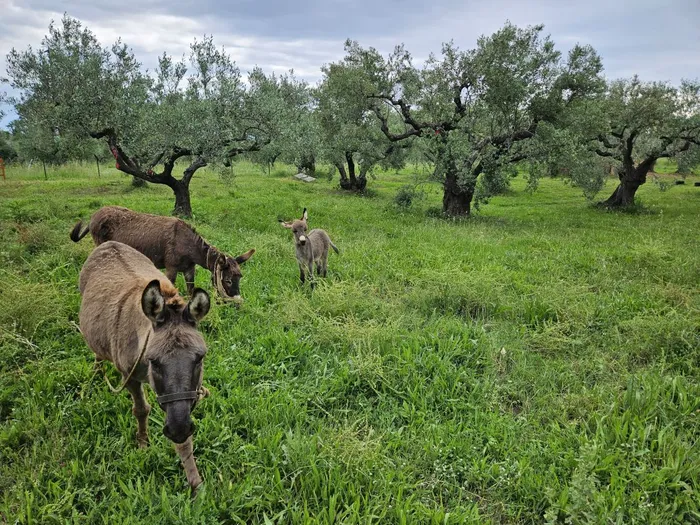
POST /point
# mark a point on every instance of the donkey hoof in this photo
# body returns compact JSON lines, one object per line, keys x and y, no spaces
{"x":195,"y":484}
{"x":142,"y":441}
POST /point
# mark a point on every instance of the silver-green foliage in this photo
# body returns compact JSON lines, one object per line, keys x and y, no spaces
{"x":199,"y":108}
{"x":479,"y":109}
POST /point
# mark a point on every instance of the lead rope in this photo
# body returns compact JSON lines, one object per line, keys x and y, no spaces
{"x":214,"y":276}
{"x":131,"y":373}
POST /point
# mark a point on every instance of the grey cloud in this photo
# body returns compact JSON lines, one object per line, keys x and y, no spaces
{"x":656,"y":38}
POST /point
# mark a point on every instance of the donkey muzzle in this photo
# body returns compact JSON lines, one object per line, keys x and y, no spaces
{"x":179,"y":433}
{"x":302,"y":240}
{"x":235,"y":299}
{"x":178,"y":408}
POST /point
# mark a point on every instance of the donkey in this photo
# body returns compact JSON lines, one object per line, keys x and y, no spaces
{"x":170,"y":243}
{"x":132,"y":316}
{"x":311,"y":248}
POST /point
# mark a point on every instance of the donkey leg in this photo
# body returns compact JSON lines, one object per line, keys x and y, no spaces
{"x":141,"y":410}
{"x":186,"y":453}
{"x":324,"y":263}
{"x":312,"y":280}
{"x":189,"y":280}
{"x":302,"y":276}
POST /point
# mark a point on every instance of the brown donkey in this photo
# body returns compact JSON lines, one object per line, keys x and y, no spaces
{"x":170,"y":243}
{"x":311,"y":248}
{"x":132,"y":315}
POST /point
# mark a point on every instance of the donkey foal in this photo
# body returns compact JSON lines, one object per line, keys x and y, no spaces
{"x":311,"y":248}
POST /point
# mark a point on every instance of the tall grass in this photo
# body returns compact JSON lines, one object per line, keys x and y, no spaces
{"x":535,"y":363}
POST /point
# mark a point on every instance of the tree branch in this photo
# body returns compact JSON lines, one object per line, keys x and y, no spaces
{"x":169,"y":163}
{"x":606,"y":142}
{"x":602,"y":153}
{"x":385,"y":128}
{"x":255,"y":146}
{"x":199,"y":162}
{"x":131,"y":166}
{"x":416,"y":127}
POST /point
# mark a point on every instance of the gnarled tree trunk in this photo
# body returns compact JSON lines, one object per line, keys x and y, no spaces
{"x":631,"y":178}
{"x":456,"y":198}
{"x":183,"y":205}
{"x":348,"y":180}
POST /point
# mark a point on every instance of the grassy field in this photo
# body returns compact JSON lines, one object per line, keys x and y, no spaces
{"x":536,"y":363}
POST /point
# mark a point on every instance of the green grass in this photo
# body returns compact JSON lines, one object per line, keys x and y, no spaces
{"x":535,"y":363}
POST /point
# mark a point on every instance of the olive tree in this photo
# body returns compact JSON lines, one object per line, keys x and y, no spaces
{"x":199,"y":111}
{"x":351,"y":138}
{"x":478,"y":109}
{"x":288,"y":101}
{"x":647,"y":121}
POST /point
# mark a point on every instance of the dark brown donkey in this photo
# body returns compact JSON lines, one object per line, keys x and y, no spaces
{"x":170,"y":243}
{"x":133,"y":316}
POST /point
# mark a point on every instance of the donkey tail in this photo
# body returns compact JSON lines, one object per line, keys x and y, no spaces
{"x":335,"y":248}
{"x":76,"y":234}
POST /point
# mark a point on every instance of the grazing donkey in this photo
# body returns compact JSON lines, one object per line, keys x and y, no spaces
{"x":311,"y":248}
{"x":132,"y":315}
{"x":170,"y":243}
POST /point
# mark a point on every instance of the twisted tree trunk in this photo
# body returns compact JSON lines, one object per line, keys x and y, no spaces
{"x":456,"y":198}
{"x":631,"y":178}
{"x":183,"y":205}
{"x":348,"y":180}
{"x":181,"y":188}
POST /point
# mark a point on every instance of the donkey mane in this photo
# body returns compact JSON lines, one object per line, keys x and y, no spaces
{"x":202,"y":244}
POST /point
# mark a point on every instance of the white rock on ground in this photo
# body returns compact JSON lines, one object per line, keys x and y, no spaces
{"x":304,"y":177}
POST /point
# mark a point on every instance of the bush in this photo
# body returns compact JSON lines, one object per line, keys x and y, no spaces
{"x":407,"y":195}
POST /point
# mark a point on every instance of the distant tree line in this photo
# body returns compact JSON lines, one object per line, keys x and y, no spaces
{"x":477,"y":117}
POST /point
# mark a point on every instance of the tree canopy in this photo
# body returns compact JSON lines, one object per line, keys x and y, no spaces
{"x":198,"y":110}
{"x":352,"y":140}
{"x":511,"y":104}
{"x":646,"y":121}
{"x":477,"y":108}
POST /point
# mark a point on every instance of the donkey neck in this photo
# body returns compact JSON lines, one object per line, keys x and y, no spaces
{"x":203,"y":253}
{"x":209,"y":256}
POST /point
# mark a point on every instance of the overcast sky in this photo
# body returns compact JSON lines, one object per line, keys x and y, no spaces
{"x":657,"y":39}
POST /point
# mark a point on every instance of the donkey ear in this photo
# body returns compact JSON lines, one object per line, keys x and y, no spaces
{"x":152,"y":301}
{"x":304,"y":216}
{"x":221,"y":260}
{"x":285,"y":224}
{"x":247,"y":255}
{"x":198,"y":306}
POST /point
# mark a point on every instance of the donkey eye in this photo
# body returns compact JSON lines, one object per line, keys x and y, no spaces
{"x":154,"y":363}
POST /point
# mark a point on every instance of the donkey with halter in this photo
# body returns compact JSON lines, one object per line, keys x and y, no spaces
{"x":170,"y":243}
{"x":133,"y":316}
